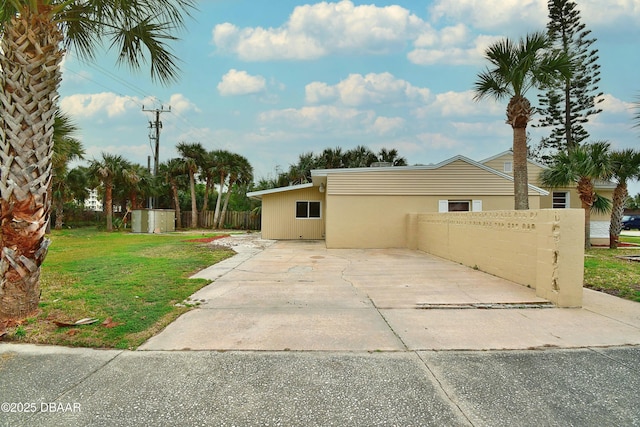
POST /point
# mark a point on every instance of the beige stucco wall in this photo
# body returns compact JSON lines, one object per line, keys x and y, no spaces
{"x":279,"y":215}
{"x":542,"y":249}
{"x":379,"y":221}
{"x":599,"y":222}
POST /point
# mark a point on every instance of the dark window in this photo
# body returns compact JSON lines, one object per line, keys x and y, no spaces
{"x":307,"y":209}
{"x":459,"y":206}
{"x":302,"y":209}
{"x":314,"y":209}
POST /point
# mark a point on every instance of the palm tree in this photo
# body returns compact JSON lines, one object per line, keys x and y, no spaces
{"x":222,"y":161}
{"x":332,"y":158}
{"x":582,"y":166}
{"x":66,"y":148}
{"x":391,"y":156}
{"x":35,"y":34}
{"x":241,"y":172}
{"x":300,"y":173}
{"x":360,"y":157}
{"x":171,"y":170}
{"x":110,"y":169}
{"x":137,"y":186}
{"x":516,"y":68}
{"x":625,"y":165}
{"x":209,"y":173}
{"x":192,"y":155}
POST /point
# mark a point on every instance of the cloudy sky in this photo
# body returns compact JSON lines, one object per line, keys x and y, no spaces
{"x":272,"y":80}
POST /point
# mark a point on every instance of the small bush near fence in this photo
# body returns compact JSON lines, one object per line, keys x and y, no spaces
{"x":232,"y":220}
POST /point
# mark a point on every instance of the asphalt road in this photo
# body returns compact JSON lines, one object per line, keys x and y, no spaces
{"x":53,"y":386}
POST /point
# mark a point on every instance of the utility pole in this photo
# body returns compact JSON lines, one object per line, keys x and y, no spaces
{"x":154,"y":136}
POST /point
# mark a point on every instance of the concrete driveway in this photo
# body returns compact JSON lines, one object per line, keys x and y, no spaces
{"x":299,"y":295}
{"x":347,"y":304}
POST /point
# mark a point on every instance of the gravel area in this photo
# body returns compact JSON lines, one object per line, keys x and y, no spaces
{"x":238,"y":242}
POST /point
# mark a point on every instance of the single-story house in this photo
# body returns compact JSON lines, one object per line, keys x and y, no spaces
{"x":367,"y":207}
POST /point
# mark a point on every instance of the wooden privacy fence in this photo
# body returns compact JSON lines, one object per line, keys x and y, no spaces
{"x":232,"y":220}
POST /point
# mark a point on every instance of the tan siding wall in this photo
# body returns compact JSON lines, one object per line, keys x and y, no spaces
{"x":533,"y":171}
{"x":456,"y":178}
{"x":279,"y":216}
{"x":379,"y":221}
{"x":498,"y":163}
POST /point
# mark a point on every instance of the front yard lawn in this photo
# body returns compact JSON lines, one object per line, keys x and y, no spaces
{"x":129,"y":282}
{"x":605,"y":271}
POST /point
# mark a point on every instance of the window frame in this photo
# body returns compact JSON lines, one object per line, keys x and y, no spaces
{"x":308,"y":209}
{"x":459,"y":202}
{"x":475,"y":205}
{"x":566,"y":204}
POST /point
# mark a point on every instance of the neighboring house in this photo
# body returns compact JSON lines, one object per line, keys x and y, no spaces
{"x":560,"y":198}
{"x":368,"y":207}
{"x":93,"y":202}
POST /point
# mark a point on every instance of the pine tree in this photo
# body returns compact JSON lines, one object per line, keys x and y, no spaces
{"x":569,"y":104}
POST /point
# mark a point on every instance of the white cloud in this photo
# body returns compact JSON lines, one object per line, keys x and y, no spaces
{"x":90,"y":105}
{"x":437,"y":141}
{"x":324,"y":117}
{"x":241,"y":83}
{"x":442,"y":52}
{"x":181,"y":104}
{"x":387,"y":125}
{"x":458,"y":104}
{"x":518,"y":16}
{"x":358,"y":90}
{"x":492,"y":14}
{"x":313,"y":31}
{"x":318,"y":92}
{"x":611,"y":104}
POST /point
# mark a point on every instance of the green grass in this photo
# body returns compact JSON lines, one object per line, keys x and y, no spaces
{"x":131,"y":281}
{"x":605,"y":271}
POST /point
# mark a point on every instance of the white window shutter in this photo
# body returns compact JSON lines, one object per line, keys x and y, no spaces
{"x":443,"y":206}
{"x":476,"y":206}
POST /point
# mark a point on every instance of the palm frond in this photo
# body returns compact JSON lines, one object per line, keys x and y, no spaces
{"x":601,"y":205}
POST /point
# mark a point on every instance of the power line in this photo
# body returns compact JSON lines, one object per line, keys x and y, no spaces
{"x":154,"y":134}
{"x":190,"y":127}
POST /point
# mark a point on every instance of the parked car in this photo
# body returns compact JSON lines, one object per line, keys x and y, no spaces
{"x":631,"y":221}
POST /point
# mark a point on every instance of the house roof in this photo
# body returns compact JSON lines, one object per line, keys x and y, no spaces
{"x":319,"y":175}
{"x":510,"y":152}
{"x":598,"y":183}
{"x":258,"y":194}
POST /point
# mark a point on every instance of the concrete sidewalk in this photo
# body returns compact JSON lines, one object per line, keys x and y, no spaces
{"x":298,"y":295}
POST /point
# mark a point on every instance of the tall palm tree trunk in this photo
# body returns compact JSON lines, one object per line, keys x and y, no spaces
{"x":620,"y":194}
{"x":30,"y":61}
{"x":194,"y":203}
{"x":587,"y":197}
{"x":520,"y":172}
{"x":223,"y":214}
{"x":59,"y":214}
{"x":108,"y":205}
{"x":176,"y":204}
{"x":518,"y":114}
{"x":216,"y":215}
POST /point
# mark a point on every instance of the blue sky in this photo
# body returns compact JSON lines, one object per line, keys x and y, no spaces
{"x":272,"y":80}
